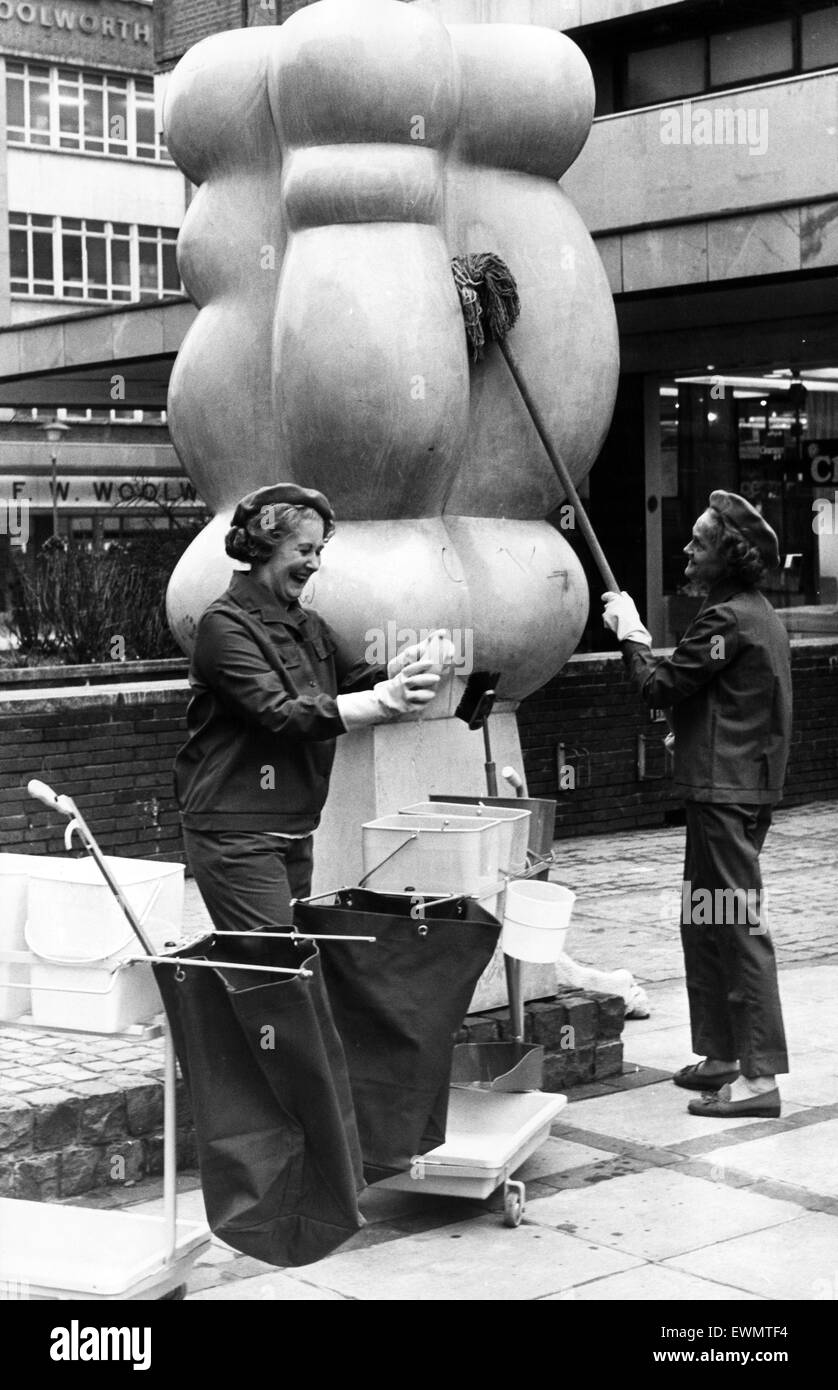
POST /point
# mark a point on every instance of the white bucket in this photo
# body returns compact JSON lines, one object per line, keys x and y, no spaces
{"x":514,"y":826}
{"x":73,"y":918}
{"x":536,"y":919}
{"x":434,"y":855}
{"x":77,"y":934}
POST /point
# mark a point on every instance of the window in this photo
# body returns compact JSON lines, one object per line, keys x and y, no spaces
{"x":31,"y":246}
{"x":28,"y":103}
{"x":81,"y":258}
{"x":158,"y":267}
{"x":819,"y":39}
{"x":656,"y":74}
{"x":92,"y":112}
{"x":746,"y":54}
{"x":87,"y":415}
{"x":633,"y":67}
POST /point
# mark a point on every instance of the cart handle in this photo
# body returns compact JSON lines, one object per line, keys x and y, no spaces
{"x":42,"y":792}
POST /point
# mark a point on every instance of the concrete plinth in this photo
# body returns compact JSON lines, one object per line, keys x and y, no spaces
{"x":379,"y":770}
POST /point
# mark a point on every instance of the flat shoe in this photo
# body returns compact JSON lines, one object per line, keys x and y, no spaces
{"x":693,"y":1079}
{"x":762,"y":1107}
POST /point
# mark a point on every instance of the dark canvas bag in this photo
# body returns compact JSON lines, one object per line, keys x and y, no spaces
{"x":397,"y":1004}
{"x":278,"y":1148}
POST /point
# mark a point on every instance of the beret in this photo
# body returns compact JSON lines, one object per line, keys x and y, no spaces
{"x":739,"y":515}
{"x":283,"y":495}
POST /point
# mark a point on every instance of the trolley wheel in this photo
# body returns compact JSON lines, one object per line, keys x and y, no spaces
{"x":514,"y":1194}
{"x":176,"y":1294}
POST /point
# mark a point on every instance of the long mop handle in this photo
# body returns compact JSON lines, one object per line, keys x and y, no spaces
{"x":597,"y":552}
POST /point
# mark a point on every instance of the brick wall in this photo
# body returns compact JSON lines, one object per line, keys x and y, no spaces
{"x":178,"y":24}
{"x":592,"y":709}
{"x":111,"y":748}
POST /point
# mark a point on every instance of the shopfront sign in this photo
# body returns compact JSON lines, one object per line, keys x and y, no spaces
{"x":822,"y":456}
{"x":97,"y":493}
{"x":39,"y":26}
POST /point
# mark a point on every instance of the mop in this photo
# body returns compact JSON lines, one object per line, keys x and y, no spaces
{"x":490,"y":304}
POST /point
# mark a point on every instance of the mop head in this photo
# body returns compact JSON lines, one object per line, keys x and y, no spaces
{"x":488,"y":298}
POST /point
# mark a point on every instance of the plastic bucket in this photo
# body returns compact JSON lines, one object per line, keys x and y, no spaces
{"x":73,"y":918}
{"x":536,"y":919}
{"x":514,"y":826}
{"x":432,"y":854}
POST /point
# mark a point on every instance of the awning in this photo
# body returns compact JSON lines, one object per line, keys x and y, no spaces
{"x":72,"y":360}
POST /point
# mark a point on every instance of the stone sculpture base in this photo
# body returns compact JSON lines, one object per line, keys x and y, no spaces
{"x":379,"y":770}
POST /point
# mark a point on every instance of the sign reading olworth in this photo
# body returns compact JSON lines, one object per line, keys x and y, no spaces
{"x":97,"y":493}
{"x":86,"y":21}
{"x":114,"y":34}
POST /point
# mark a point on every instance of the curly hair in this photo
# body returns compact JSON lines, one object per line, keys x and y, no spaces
{"x":742,"y":560}
{"x":254,"y":542}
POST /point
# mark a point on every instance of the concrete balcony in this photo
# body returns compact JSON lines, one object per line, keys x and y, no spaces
{"x":722,"y":187}
{"x":635,"y":171}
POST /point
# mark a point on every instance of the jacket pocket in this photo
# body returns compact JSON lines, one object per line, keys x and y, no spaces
{"x":289,"y":653}
{"x":324,"y":646}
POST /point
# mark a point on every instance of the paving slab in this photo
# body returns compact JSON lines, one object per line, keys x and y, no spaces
{"x":271,"y":1288}
{"x":653,"y":1282}
{"x":560,"y":1156}
{"x":476,"y":1260}
{"x":796,"y":1260}
{"x":659,"y":1213}
{"x":655,"y":1115}
{"x":810,"y":1151}
{"x":665,"y":1047}
{"x":813,"y":1079}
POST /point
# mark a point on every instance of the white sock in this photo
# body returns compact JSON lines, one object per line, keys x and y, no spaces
{"x":746,"y":1086}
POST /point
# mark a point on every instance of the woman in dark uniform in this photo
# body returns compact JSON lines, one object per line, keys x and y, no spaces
{"x":272,"y":690}
{"x":728,"y":687}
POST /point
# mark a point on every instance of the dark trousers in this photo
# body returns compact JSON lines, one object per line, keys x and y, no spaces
{"x":247,"y":879}
{"x":731,"y":971}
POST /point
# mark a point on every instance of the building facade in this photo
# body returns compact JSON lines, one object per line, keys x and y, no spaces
{"x":709,"y":182}
{"x":90,"y":207}
{"x":721,"y":245}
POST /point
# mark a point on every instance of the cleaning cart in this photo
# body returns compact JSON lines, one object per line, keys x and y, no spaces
{"x":432,"y":870}
{"x":498,"y":1115}
{"x":52,"y":1251}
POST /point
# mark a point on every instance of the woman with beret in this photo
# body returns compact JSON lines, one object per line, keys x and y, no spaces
{"x":727,"y":686}
{"x":271,"y":691}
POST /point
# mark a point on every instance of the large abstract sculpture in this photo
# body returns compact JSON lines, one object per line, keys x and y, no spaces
{"x":343,"y":159}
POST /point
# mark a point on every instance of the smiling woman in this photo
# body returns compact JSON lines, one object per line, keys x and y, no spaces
{"x":272,"y":691}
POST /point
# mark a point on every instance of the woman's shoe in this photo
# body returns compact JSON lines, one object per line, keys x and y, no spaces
{"x":692,"y":1078}
{"x":759,"y":1107}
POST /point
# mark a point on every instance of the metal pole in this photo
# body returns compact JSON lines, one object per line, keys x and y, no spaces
{"x":54,"y":457}
{"x":169,"y":1145}
{"x":491,"y":774}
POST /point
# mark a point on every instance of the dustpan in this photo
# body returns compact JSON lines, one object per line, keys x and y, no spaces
{"x":498,"y":1066}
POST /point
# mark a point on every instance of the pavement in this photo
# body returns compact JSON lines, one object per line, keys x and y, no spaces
{"x":630,"y":1197}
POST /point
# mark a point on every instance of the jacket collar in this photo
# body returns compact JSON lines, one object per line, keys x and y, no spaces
{"x":259,"y":599}
{"x":722,"y":590}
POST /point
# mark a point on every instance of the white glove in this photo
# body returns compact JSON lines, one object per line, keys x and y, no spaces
{"x":437,"y":645}
{"x":622,"y":618}
{"x":405,"y":693}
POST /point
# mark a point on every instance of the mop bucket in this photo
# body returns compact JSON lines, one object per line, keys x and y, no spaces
{"x":536,"y":919}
